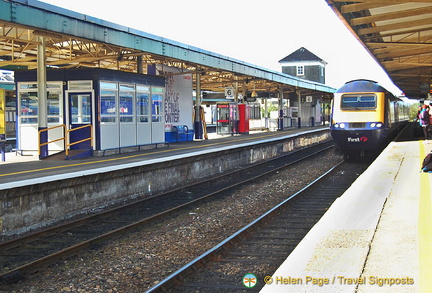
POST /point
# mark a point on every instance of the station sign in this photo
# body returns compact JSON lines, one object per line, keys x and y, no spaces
{"x":229,"y":92}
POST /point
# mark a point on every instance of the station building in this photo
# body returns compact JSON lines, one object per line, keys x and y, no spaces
{"x":312,"y":108}
{"x":104,"y":109}
{"x":104,"y":88}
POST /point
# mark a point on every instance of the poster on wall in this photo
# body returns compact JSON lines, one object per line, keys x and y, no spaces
{"x":178,"y":99}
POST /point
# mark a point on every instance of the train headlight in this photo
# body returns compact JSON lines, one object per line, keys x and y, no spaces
{"x":339,"y":125}
{"x":376,"y":125}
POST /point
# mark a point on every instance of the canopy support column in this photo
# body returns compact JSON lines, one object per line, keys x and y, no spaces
{"x":299,"y":108}
{"x":280,"y":110}
{"x":198,"y":125}
{"x":42,"y":97}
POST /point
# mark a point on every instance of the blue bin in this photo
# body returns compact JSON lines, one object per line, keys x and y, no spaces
{"x":170,"y":137}
{"x":190,"y":135}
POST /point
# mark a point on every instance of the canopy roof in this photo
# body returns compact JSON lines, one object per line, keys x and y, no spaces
{"x":75,"y":40}
{"x":398,"y":34}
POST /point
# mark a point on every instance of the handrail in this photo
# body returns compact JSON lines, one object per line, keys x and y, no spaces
{"x":48,"y":142}
{"x":66,"y":135}
{"x":80,"y":141}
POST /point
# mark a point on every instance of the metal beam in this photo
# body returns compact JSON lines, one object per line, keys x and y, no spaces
{"x":56,"y":21}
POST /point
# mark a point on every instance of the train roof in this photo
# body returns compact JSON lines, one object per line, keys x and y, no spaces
{"x":361,"y":85}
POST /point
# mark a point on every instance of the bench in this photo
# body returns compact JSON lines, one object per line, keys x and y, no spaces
{"x":179,"y":133}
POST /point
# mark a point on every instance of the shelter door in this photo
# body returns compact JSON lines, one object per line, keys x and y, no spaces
{"x":80,"y":119}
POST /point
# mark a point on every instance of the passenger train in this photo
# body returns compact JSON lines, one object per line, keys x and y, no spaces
{"x":365,"y":117}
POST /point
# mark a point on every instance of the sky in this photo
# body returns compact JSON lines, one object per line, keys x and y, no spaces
{"x":257,"y":32}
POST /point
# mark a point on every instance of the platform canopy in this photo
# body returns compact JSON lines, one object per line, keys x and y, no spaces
{"x":398,"y":34}
{"x":75,"y":40}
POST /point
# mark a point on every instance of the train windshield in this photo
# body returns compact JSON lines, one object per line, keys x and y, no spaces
{"x":359,"y":102}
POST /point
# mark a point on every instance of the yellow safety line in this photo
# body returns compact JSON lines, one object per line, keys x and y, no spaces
{"x":425,"y":230}
{"x":133,"y":156}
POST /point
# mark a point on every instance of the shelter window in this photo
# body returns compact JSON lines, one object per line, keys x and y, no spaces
{"x":143,"y":105}
{"x":29,"y":104}
{"x":127,"y":97}
{"x":359,"y":102}
{"x":53,"y":104}
{"x":29,"y":107}
{"x":27,"y":86}
{"x":81,"y":108}
{"x":80,"y":85}
{"x":255,"y":111}
{"x":108,"y":101}
{"x":157,"y":104}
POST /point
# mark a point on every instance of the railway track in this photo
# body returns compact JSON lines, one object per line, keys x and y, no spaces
{"x":261,"y":246}
{"x":26,"y":254}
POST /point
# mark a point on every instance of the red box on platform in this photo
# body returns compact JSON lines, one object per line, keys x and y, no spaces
{"x":243,"y":118}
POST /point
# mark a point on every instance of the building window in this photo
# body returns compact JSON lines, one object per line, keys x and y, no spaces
{"x":28,"y":102}
{"x":300,"y":70}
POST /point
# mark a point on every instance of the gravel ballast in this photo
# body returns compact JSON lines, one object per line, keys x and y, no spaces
{"x":140,"y":260}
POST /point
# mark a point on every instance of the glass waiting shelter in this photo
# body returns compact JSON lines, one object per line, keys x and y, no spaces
{"x":123,"y":109}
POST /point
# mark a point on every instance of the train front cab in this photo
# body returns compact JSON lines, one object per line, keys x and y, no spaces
{"x":359,"y":121}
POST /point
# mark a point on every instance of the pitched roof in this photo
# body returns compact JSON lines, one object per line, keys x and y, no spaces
{"x":301,"y":54}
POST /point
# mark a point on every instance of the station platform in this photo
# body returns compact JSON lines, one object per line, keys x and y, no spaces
{"x":377,"y":237}
{"x":28,"y":169}
{"x":40,"y":193}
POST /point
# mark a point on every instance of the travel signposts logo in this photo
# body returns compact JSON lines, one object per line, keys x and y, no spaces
{"x":250,"y":280}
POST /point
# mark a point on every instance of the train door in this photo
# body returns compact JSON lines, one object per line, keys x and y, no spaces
{"x":80,"y":119}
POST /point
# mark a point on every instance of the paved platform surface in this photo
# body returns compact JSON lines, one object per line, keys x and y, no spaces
{"x":377,"y":237}
{"x":29,"y":167}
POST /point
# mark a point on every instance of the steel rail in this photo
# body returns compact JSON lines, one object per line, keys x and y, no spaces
{"x":181,"y":273}
{"x":18,"y":272}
